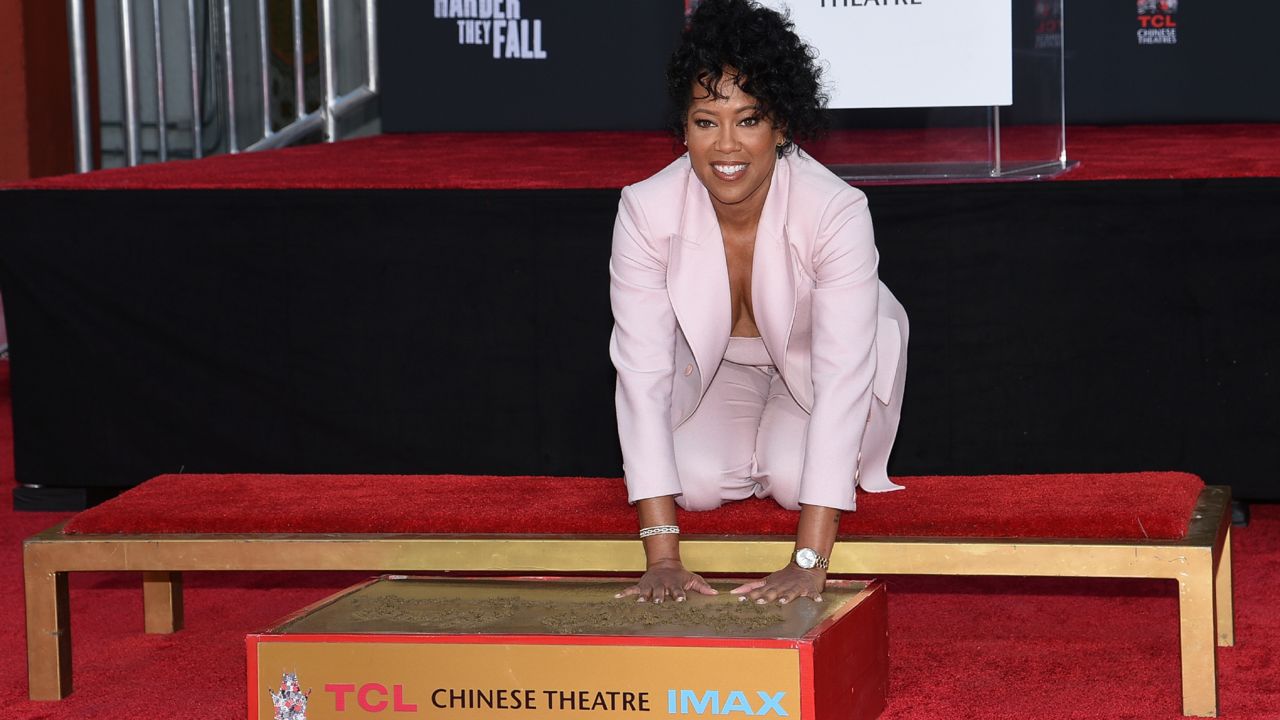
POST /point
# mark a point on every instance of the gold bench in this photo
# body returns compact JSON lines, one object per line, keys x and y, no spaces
{"x":1200,"y":562}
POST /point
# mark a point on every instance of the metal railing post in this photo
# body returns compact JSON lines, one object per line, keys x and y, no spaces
{"x":371,"y":44}
{"x":329,"y":71}
{"x":132,"y":141}
{"x":299,"y":58}
{"x":197,"y":112}
{"x":79,"y":85}
{"x":233,"y":145}
{"x":264,"y":52}
{"x":162,"y":125}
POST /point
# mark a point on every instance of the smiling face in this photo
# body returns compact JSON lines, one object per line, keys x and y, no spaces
{"x":732,"y":146}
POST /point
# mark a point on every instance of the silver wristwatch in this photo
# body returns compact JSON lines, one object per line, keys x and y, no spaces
{"x":808,"y":559}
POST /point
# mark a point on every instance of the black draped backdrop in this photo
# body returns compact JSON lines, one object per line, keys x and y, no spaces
{"x":1055,"y":327}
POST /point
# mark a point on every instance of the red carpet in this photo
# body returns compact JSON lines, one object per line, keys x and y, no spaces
{"x":1080,"y":506}
{"x":960,"y":648}
{"x":523,"y":161}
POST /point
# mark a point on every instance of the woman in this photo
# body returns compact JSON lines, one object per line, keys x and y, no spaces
{"x":757,"y":352}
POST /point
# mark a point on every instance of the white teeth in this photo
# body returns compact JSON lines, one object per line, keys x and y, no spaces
{"x":730,"y":169}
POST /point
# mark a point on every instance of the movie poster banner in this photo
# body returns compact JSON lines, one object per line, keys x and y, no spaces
{"x":450,"y":65}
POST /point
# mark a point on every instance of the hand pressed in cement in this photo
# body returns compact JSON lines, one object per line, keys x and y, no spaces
{"x":667,"y":578}
{"x":785,"y":585}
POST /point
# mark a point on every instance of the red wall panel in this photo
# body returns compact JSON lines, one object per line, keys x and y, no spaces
{"x":35,"y":90}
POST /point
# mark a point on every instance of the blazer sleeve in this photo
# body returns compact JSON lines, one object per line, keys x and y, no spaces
{"x":642,"y":348}
{"x":843,"y":357}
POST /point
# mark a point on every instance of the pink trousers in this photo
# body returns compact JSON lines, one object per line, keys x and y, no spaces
{"x":748,"y":434}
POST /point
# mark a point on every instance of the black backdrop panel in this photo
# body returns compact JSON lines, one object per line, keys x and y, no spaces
{"x":606,"y":61}
{"x":1222,"y":69}
{"x":604,"y":67}
{"x":1089,"y":326}
{"x":303,"y":331}
{"x":1055,"y":327}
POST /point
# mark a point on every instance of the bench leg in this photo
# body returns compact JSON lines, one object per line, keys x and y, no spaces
{"x":162,"y":602}
{"x":1222,"y":586}
{"x":1199,"y":636}
{"x":48,"y":634}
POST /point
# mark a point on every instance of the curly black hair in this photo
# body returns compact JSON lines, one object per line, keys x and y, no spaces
{"x":760,"y":50}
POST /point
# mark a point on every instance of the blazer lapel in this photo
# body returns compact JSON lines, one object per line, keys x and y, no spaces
{"x":698,"y":280}
{"x":773,"y":284}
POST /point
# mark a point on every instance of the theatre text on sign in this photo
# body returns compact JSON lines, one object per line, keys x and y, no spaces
{"x":868,"y":3}
{"x":1157,"y":21}
{"x":495,"y":23}
{"x":692,"y":702}
{"x":497,"y":9}
{"x":371,"y":697}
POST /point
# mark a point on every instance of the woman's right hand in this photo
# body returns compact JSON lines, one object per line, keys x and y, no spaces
{"x":667,"y":579}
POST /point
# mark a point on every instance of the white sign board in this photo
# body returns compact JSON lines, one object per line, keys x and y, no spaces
{"x":910,"y":53}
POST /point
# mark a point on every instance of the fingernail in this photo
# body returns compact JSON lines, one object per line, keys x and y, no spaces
{"x":679,"y":599}
{"x":742,"y":598}
{"x":618,"y":595}
{"x":783,"y":601}
{"x":760,"y":601}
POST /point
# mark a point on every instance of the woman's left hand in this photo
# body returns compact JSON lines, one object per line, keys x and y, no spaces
{"x":785,"y":585}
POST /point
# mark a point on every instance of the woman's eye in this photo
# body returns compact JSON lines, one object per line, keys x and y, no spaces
{"x":750,"y":122}
{"x":704,"y":124}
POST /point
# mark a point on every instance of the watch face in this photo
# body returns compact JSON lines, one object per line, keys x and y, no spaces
{"x":806,"y":558}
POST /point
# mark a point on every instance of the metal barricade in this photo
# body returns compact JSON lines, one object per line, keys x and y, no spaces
{"x":223,"y":21}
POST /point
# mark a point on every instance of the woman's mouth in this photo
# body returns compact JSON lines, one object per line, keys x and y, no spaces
{"x":728,"y":172}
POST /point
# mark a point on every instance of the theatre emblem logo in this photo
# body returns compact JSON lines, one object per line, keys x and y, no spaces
{"x":1048,"y":24}
{"x":290,"y":703}
{"x":1157,"y":22}
{"x":498,"y":25}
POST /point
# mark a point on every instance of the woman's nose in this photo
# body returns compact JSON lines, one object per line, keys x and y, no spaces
{"x":727,"y":138}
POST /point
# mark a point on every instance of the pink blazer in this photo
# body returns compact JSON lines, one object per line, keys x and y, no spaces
{"x":815,"y":294}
